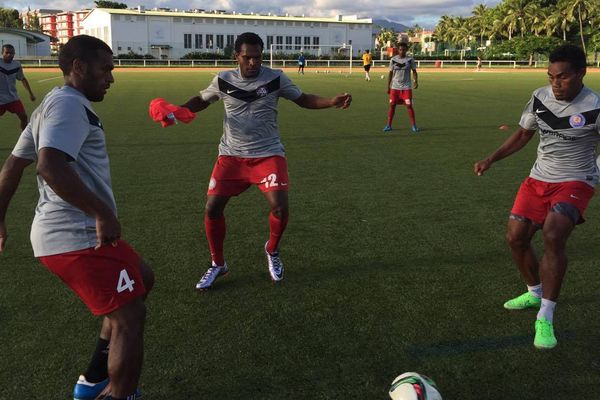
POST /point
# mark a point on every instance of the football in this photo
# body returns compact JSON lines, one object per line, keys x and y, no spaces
{"x":413,"y":386}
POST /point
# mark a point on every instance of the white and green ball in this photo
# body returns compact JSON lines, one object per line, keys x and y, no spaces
{"x":414,"y":386}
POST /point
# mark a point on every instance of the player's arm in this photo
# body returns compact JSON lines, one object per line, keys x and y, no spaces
{"x":10,"y":176}
{"x":54,"y":167}
{"x":196,"y":104}
{"x":26,"y":85}
{"x":415,"y":79}
{"x":514,"y":143}
{"x":389,"y":81}
{"x":315,"y":102}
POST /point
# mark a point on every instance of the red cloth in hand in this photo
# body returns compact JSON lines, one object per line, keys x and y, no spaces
{"x":168,"y":114}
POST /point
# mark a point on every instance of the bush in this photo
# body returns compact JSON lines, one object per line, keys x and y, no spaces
{"x":197,"y":55}
{"x":135,"y":56}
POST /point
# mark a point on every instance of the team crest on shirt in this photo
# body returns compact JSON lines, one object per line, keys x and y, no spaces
{"x":262,"y":92}
{"x":577,"y":120}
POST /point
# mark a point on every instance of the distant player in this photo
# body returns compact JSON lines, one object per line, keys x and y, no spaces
{"x":478,"y":66}
{"x":400,"y":86}
{"x":11,"y":72}
{"x":250,"y":152}
{"x":367,"y":60}
{"x":75,"y":231}
{"x":561,"y":183}
{"x":301,"y":63}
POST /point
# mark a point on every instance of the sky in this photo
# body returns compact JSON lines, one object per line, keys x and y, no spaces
{"x":407,"y":12}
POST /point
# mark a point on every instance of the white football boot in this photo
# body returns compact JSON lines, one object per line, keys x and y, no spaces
{"x":211,"y":275}
{"x":275,"y":265}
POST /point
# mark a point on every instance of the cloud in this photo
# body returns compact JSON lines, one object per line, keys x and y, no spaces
{"x":403,"y":12}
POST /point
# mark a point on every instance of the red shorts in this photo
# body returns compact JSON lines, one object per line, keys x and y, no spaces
{"x":16,"y":107}
{"x":233,"y":175}
{"x":104,"y":279}
{"x":536,"y":198}
{"x":401,"y":96}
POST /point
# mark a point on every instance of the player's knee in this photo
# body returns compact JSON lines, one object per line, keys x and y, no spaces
{"x":280,"y":212}
{"x":212,"y":210}
{"x":554,"y":240}
{"x":517,"y":240}
{"x":129,"y":318}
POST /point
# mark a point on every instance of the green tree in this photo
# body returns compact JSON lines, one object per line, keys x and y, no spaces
{"x":387,"y":37}
{"x":9,"y":18}
{"x":110,"y":4}
{"x":480,"y":21}
{"x":579,"y":10}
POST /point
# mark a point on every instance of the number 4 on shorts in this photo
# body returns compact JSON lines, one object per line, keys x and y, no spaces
{"x":125,"y":282}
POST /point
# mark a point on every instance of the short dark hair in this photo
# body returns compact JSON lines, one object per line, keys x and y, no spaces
{"x":572,"y":54}
{"x":403,"y":44}
{"x":248,"y":38}
{"x":81,"y":47}
{"x":8,"y":46}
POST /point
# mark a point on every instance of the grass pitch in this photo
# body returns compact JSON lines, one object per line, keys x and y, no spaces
{"x":395,"y":255}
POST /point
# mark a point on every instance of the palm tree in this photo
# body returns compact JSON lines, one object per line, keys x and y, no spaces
{"x":579,"y":9}
{"x":479,"y":22}
{"x":515,"y":16}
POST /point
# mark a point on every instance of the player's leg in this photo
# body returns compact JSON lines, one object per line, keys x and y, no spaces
{"x":278,"y":218}
{"x":22,"y":119}
{"x":526,"y":218}
{"x":214,"y":224}
{"x":406,"y":96}
{"x":391,"y":110}
{"x":126,"y":347}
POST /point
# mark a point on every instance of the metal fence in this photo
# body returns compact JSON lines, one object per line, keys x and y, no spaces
{"x":334,"y":64}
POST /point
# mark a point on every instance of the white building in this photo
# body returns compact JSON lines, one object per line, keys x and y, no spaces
{"x":172,"y":34}
{"x":26,"y":43}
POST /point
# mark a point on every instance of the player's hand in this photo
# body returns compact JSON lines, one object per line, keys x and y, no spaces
{"x":415,"y":85}
{"x":342,"y":100}
{"x":3,"y":236}
{"x":481,"y":166}
{"x":108,"y":230}
{"x":388,"y":90}
{"x":32,"y":97}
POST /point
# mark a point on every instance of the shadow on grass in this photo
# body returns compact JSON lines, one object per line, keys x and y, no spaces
{"x":456,"y":348}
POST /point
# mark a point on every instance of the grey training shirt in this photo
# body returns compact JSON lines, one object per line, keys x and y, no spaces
{"x":569,"y":134}
{"x":9,"y":75}
{"x":250,"y":121}
{"x":401,"y":69}
{"x":65,"y":121}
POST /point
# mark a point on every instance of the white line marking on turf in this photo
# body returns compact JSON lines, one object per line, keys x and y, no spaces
{"x":49,"y":79}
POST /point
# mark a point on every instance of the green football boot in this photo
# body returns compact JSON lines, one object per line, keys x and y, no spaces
{"x":544,"y":335}
{"x":526,"y":300}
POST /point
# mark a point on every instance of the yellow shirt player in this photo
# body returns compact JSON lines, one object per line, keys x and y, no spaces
{"x":367,"y":60}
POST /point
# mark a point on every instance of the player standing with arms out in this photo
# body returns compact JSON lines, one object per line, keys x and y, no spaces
{"x":250,"y":152}
{"x":75,"y":231}
{"x":561,"y":183}
{"x":367,"y":60}
{"x":400,"y":85}
{"x":11,"y":72}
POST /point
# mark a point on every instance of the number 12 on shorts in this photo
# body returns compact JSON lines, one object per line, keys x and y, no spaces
{"x":125,"y":282}
{"x":270,"y":181}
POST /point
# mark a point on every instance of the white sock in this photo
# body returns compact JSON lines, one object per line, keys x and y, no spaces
{"x":547,"y":310}
{"x":535,"y":290}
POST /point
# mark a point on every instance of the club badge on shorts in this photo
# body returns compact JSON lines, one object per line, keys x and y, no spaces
{"x":577,"y":120}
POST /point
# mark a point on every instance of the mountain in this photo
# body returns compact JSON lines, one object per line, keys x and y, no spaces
{"x":384,"y":23}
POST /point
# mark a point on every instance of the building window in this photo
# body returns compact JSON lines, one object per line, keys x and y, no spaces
{"x":279,"y":42}
{"x":141,"y":18}
{"x":187,"y":40}
{"x":298,"y":42}
{"x":209,"y":41}
{"x":198,"y":41}
{"x":230,"y":40}
{"x":316,"y":41}
{"x":288,"y":42}
{"x":269,"y":42}
{"x":220,"y":42}
{"x":307,"y":40}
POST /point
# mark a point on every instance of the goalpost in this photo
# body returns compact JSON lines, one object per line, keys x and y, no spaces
{"x":315,"y":49}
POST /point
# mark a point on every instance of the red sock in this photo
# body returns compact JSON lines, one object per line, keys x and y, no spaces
{"x":391,"y":112}
{"x":411,"y":115}
{"x":277,"y":226}
{"x":215,"y":233}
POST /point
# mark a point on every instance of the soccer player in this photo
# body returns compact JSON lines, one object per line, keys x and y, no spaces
{"x":561,"y":183}
{"x":367,"y":60}
{"x":301,"y":62}
{"x":400,"y":85}
{"x":10,"y":72}
{"x":75,"y":231}
{"x":250,"y":152}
